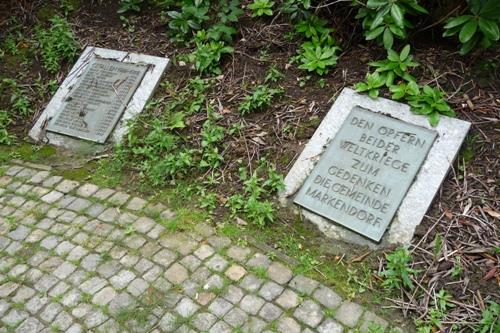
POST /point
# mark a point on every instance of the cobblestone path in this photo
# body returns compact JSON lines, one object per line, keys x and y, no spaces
{"x":79,"y":258}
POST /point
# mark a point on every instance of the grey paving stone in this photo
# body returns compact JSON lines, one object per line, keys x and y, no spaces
{"x":75,"y":328}
{"x":330,"y":326}
{"x":251,"y":282}
{"x":14,"y":317}
{"x":143,"y":224}
{"x":35,"y":304}
{"x":236,"y":317}
{"x":259,"y":261}
{"x":122,"y":279}
{"x":349,"y":313}
{"x":327,"y":297}
{"x":164,"y":257}
{"x":59,"y":289}
{"x":91,"y":262}
{"x":370,"y":318}
{"x":204,"y":298}
{"x":13,"y":170}
{"x":66,"y":217}
{"x":204,"y":251}
{"x":156,"y":231}
{"x":120,"y":302}
{"x":136,"y":204}
{"x":186,"y":307}
{"x":112,"y":326}
{"x":81,"y":310}
{"x":238,"y":253}
{"x":309,"y":313}
{"x":71,"y":298}
{"x":50,"y":242}
{"x":23,"y":294}
{"x":93,"y":285}
{"x":288,"y":299}
{"x":214,"y":282}
{"x":233,"y":294}
{"x":219,"y":242}
{"x":50,"y":312}
{"x":129,"y":260}
{"x":109,"y":268}
{"x":168,"y":323}
{"x":18,"y":270}
{"x":77,"y":253}
{"x":109,"y":215}
{"x":254,"y":325}
{"x":220,"y":307}
{"x":50,"y":264}
{"x":137,"y":287}
{"x":52,"y":197}
{"x":190,"y":262}
{"x":103,"y":194}
{"x":64,"y":270}
{"x":279,"y":273}
{"x":251,"y":304}
{"x":65,"y":201}
{"x":95,"y":210}
{"x":63,"y":321}
{"x":79,"y":205}
{"x":220,"y":327}
{"x":45,"y":283}
{"x":118,"y":198}
{"x":95,"y":318}
{"x":78,"y":277}
{"x":104,"y":296}
{"x":270,"y":312}
{"x":270,"y":290}
{"x":20,"y":233}
{"x":176,"y":274}
{"x":303,"y":284}
{"x":30,"y":325}
{"x":67,"y":186}
{"x":288,"y":325}
{"x":86,"y":190}
{"x":134,"y":242}
{"x":203,"y":321}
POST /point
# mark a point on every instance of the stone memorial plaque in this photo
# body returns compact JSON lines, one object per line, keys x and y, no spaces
{"x":364,"y":174}
{"x":97,"y":101}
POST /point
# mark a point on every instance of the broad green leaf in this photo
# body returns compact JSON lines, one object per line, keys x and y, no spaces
{"x":467,"y":47}
{"x":361,"y":86}
{"x":468,"y":30}
{"x":434,"y":119}
{"x":379,"y":18}
{"x":489,"y":28}
{"x":388,"y":39}
{"x":373,"y":93}
{"x":397,"y":15}
{"x":418,"y":8}
{"x":490,"y":10}
{"x":372,"y":34}
{"x":404,"y":53}
{"x":392,"y":55}
{"x":456,"y":21}
{"x":376,"y":3}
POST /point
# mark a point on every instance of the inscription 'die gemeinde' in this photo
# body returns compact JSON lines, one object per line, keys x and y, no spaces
{"x":98,"y":99}
{"x":366,"y":171}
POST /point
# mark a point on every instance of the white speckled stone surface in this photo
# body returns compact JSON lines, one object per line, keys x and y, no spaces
{"x":137,"y":103}
{"x":451,"y":133}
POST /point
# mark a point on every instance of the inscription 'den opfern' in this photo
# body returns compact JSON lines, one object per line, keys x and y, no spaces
{"x":97,"y":101}
{"x":365,"y":172}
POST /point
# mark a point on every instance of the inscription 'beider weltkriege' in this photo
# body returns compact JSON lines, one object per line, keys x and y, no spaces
{"x":98,"y":99}
{"x":366,"y":171}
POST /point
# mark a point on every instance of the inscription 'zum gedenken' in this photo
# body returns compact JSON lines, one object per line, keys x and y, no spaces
{"x":366,"y":171}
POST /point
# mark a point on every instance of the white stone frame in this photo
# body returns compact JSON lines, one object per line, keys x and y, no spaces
{"x":143,"y":93}
{"x":451,"y":133}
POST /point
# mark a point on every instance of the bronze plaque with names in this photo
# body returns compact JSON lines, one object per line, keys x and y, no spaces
{"x":98,"y":99}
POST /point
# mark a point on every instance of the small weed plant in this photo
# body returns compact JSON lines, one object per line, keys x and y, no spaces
{"x":260,"y":98}
{"x":130,"y":6}
{"x":430,"y":102}
{"x":490,"y":321}
{"x":371,"y":85}
{"x":188,"y":18}
{"x":261,"y":8}
{"x":397,"y":272}
{"x":395,"y":66}
{"x":56,"y":44}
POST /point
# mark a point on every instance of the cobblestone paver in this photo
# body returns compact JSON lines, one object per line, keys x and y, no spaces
{"x":79,"y":258}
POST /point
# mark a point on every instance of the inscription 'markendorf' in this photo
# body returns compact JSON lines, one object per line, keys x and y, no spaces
{"x":98,"y":99}
{"x":366,"y":171}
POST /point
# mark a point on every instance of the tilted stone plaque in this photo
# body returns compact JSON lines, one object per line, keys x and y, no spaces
{"x":364,"y":174}
{"x":98,"y":99}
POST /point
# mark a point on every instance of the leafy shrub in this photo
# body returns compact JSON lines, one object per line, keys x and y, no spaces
{"x":56,"y":44}
{"x":207,"y":55}
{"x":404,"y":90}
{"x":129,"y":5}
{"x":371,"y":85}
{"x":396,"y":65}
{"x":261,"y":97}
{"x":482,"y":27}
{"x":190,"y":17}
{"x":384,"y":20}
{"x":5,"y":121}
{"x":430,"y":102}
{"x":490,"y":321}
{"x":317,"y":58}
{"x":261,"y":7}
{"x":398,"y":272}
